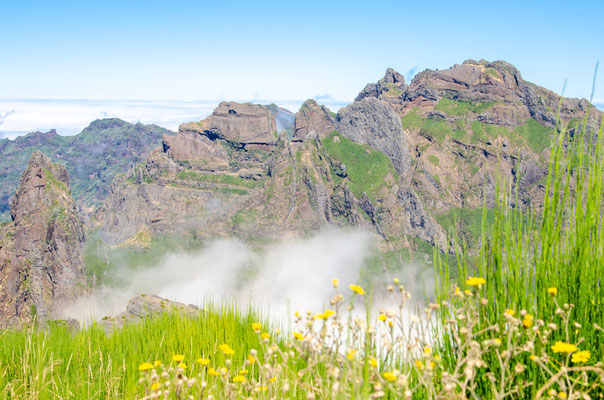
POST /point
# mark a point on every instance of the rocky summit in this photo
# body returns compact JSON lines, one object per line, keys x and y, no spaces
{"x":40,"y":250}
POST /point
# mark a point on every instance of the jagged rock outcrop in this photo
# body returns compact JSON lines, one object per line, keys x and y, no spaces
{"x":392,"y":82}
{"x":374,"y":123}
{"x":146,"y":306}
{"x":313,"y":117}
{"x":241,"y":124}
{"x":42,"y":266}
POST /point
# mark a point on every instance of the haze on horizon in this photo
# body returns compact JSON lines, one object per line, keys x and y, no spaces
{"x":163,"y":60}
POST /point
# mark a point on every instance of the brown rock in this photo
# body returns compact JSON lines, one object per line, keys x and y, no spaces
{"x":313,"y":117}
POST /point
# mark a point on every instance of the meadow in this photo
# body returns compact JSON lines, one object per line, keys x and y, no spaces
{"x":523,"y":319}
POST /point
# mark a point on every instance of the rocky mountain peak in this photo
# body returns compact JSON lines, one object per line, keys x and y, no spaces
{"x":44,"y":267}
{"x":391,"y":85}
{"x":106,"y":123}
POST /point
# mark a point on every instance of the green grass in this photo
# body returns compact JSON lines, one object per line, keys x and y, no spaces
{"x":433,"y":159}
{"x":220,"y":178}
{"x":54,"y":363}
{"x":366,"y":168}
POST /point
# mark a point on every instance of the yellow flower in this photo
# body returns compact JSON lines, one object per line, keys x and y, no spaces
{"x":155,"y":386}
{"x":396,"y":281}
{"x":277,"y":331}
{"x":527,"y":321}
{"x":561,"y":395}
{"x":298,"y":336}
{"x":213,"y":372}
{"x":182,"y":365}
{"x":497,"y":342}
{"x":157,"y":363}
{"x":335,"y":283}
{"x":427,"y":351}
{"x":203,"y":361}
{"x":226,"y":349}
{"x":273,"y":379}
{"x":581,"y":356}
{"x":256,"y":326}
{"x":553,"y":291}
{"x":473,"y":281}
{"x":178,"y":358}
{"x":356,"y":289}
{"x":419,"y":365}
{"x":328,"y":313}
{"x":265,"y":336}
{"x":243,"y":372}
{"x":351,"y":354}
{"x":390,"y":323}
{"x":467,"y":292}
{"x":373,"y":362}
{"x":437,"y":358}
{"x":250,"y":359}
{"x":533,"y":357}
{"x":561,"y":347}
{"x":145,"y":366}
{"x":457,"y":292}
{"x":382,"y":317}
{"x":510,"y":312}
{"x":239,"y":378}
{"x":389,"y":376}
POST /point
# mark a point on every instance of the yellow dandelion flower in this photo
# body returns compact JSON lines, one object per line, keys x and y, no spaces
{"x":427,"y":351}
{"x":328,"y":313}
{"x":243,"y":372}
{"x":265,"y":336}
{"x":356,"y":289}
{"x":373,"y":362}
{"x":467,"y":292}
{"x":178,"y":358}
{"x":335,"y":283}
{"x":437,"y":358}
{"x":382,"y":317}
{"x":389,"y":376}
{"x":239,"y":378}
{"x":350,"y":354}
{"x":145,"y":366}
{"x":155,"y":386}
{"x":396,"y":281}
{"x":474,"y":281}
{"x":182,"y":365}
{"x":527,"y":321}
{"x":561,"y":347}
{"x":562,"y":395}
{"x":553,"y":291}
{"x":256,"y":326}
{"x":157,"y":363}
{"x":250,"y":359}
{"x":213,"y":372}
{"x":277,"y":331}
{"x":457,"y":292}
{"x":581,"y":356}
{"x":273,"y":379}
{"x":533,"y":357}
{"x":203,"y":361}
{"x":298,"y":336}
{"x":390,"y":323}
{"x":226,"y":349}
{"x":419,"y":365}
{"x":510,"y":312}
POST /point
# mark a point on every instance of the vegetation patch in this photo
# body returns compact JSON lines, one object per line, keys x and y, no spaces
{"x":462,"y":107}
{"x":366,"y":168}
{"x":219,"y":178}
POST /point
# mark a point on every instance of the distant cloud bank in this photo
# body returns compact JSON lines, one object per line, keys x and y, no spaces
{"x":69,"y":117}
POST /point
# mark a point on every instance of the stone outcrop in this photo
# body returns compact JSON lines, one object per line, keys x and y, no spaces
{"x":392,"y":82}
{"x":313,"y":117}
{"x":241,"y":124}
{"x":42,"y":266}
{"x":146,"y":306}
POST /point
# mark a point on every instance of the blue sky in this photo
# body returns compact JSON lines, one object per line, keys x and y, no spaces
{"x":194,"y":50}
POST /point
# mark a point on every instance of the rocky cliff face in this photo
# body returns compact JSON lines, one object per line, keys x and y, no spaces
{"x":103,"y":149}
{"x":40,"y":250}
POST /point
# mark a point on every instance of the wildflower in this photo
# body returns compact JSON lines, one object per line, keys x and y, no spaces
{"x":467,"y":292}
{"x":145,"y":366}
{"x":427,"y":351}
{"x":250,"y":359}
{"x":157,"y":363}
{"x":203,"y":361}
{"x":533,"y":357}
{"x":510,"y":312}
{"x":382,"y":317}
{"x":396,"y":281}
{"x":335,"y":283}
{"x":527,"y":321}
{"x":277,"y":331}
{"x":497,"y":342}
{"x":256,"y":326}
{"x":213,"y":372}
{"x":437,"y":358}
{"x":581,"y":356}
{"x":239,"y":378}
{"x":328,"y":313}
{"x":373,"y":362}
{"x":419,"y":365}
{"x":298,"y":336}
{"x":273,"y":379}
{"x":356,"y":289}
{"x":351,"y":354}
{"x":182,"y":365}
{"x":155,"y":386}
{"x":562,"y":395}
{"x":243,"y":371}
{"x":390,"y":323}
{"x":553,"y":291}
{"x":226,"y":349}
{"x":178,"y":358}
{"x":473,"y":281}
{"x":265,"y":336}
{"x":561,"y":347}
{"x":389,"y":376}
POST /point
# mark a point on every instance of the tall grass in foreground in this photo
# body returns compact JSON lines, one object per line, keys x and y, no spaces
{"x":524,"y":262}
{"x":55,"y":363}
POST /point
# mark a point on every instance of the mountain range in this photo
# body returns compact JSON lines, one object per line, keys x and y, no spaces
{"x":407,"y":161}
